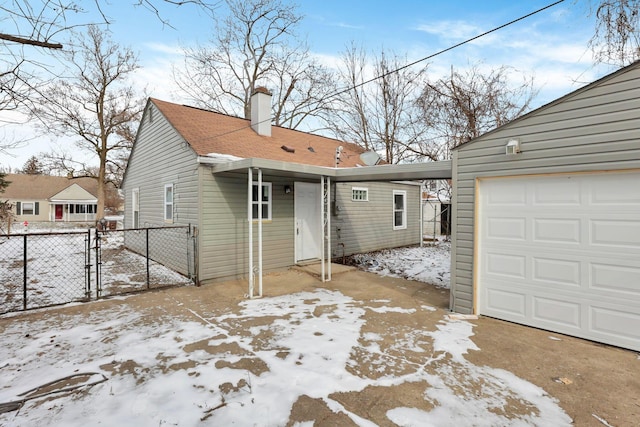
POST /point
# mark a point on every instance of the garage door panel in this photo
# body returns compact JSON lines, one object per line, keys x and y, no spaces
{"x":613,"y":321}
{"x":562,"y":313}
{"x":505,"y":265}
{"x":615,"y":277}
{"x":510,"y":304}
{"x":615,"y":189}
{"x":616,"y":233}
{"x":562,"y":253}
{"x":561,"y":192}
{"x":505,"y":196}
{"x":557,"y":271}
{"x":506,"y":228}
{"x":557,"y":230}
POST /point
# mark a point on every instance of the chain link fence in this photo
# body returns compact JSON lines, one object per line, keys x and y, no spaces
{"x":138,"y":259}
{"x":45,"y":269}
{"x":42,"y":269}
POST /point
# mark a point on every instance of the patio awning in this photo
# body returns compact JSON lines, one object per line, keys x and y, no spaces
{"x":325,"y":175}
{"x":403,"y":172}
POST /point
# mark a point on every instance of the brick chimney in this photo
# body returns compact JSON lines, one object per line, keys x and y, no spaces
{"x":261,"y":111}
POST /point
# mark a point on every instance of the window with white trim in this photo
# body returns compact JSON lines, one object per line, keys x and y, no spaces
{"x":135,"y":207}
{"x":399,"y":209}
{"x":168,"y":203}
{"x":27,"y":208}
{"x":264,"y":199}
{"x":359,"y":194}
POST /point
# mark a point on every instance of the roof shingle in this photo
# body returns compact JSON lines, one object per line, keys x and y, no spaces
{"x":209,"y":132}
{"x":42,"y":187}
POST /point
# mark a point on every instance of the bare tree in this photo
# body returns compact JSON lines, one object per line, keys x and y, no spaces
{"x":380,"y":115}
{"x":468,"y":104}
{"x":616,"y":38}
{"x":96,"y":104}
{"x":31,"y":31}
{"x":33,"y":166}
{"x":255,"y":45}
{"x":40,"y":22}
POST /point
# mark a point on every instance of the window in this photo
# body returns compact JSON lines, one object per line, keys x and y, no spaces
{"x":359,"y":194}
{"x":432,"y":186}
{"x":135,"y":204}
{"x":264,"y":200}
{"x":168,"y":203}
{"x":28,"y":208}
{"x":81,"y":209}
{"x":399,"y":210}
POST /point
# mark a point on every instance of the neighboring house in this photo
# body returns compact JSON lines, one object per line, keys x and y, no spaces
{"x":546,"y":216}
{"x":436,"y":208}
{"x":44,"y":198}
{"x":215,"y":172}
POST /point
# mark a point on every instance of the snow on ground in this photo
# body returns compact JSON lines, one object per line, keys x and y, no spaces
{"x":56,"y":268}
{"x":430,"y":264}
{"x":248,"y":366}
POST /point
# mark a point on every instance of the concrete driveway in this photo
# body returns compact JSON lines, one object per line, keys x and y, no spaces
{"x":360,"y":350}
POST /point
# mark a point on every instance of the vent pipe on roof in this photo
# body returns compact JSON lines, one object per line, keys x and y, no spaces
{"x":261,"y":111}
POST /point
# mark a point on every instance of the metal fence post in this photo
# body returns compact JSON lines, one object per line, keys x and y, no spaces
{"x":147,"y":244}
{"x":24,"y":273}
{"x":98,"y":266}
{"x":88,"y":264}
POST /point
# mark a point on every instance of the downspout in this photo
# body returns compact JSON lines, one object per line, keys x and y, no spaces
{"x":322,"y":228}
{"x":250,"y":220}
{"x":421,"y":215}
{"x":260,"y":209}
{"x":328,"y":212}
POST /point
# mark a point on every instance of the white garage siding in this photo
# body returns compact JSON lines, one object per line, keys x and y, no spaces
{"x":562,"y":253}
{"x":596,"y":128}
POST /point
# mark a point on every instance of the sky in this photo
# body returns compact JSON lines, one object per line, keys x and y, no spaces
{"x":551,"y":46}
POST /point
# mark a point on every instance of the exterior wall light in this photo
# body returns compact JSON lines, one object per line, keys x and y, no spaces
{"x":287,"y":189}
{"x":513,"y":147}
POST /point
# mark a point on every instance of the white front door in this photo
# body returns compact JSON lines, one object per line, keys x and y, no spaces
{"x":563,"y":253}
{"x":307,"y":225}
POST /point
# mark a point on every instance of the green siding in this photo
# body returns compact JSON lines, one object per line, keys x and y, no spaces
{"x":224,"y":229}
{"x":160,"y":157}
{"x":593,"y":129}
{"x":368,"y":226}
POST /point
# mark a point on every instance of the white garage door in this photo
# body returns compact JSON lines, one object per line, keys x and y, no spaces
{"x":562,"y":253}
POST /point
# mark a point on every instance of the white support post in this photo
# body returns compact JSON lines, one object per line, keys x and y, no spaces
{"x":435,"y":217}
{"x":322,"y":231}
{"x":325,"y":214}
{"x":328,"y":212}
{"x":420,"y":204}
{"x":260,"y":208}
{"x":250,"y":221}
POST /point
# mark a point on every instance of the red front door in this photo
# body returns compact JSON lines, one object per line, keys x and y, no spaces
{"x":58,"y":212}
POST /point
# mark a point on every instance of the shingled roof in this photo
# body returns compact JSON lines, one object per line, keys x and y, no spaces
{"x":208,"y":133}
{"x":43,"y":187}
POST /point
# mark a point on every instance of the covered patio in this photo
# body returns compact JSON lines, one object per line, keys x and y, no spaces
{"x":324,"y":177}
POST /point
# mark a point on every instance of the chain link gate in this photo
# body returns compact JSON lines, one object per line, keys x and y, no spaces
{"x":46,"y":269}
{"x":133,"y":260}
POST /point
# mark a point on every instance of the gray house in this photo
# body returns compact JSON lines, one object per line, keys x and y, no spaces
{"x":316,"y":196}
{"x":546,"y":216}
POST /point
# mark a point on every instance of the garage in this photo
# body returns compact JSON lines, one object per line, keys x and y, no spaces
{"x":546,"y":216}
{"x":562,"y":253}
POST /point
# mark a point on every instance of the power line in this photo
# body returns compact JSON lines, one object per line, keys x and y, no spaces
{"x":388,"y":73}
{"x":444,"y":50}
